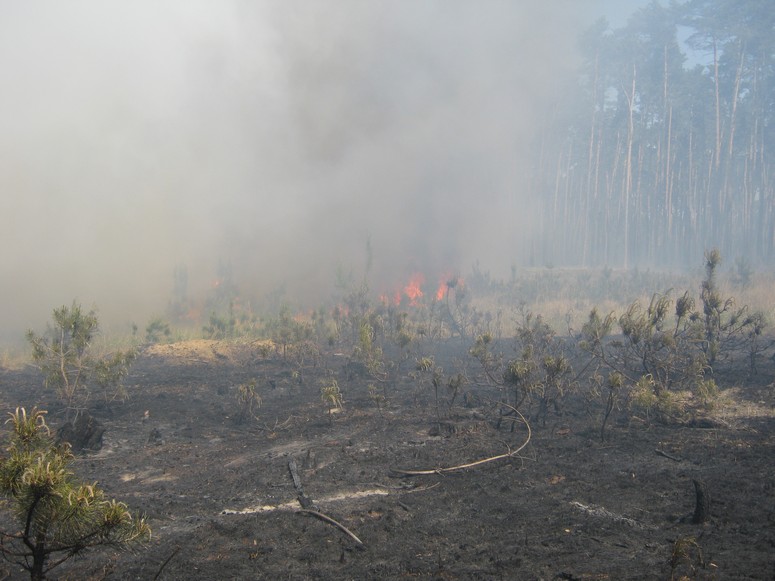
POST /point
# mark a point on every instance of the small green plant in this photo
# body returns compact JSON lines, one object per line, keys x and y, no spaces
{"x":109,"y":374}
{"x":756,"y":344}
{"x":541,"y":372}
{"x":424,"y":364}
{"x":367,"y":351}
{"x":286,"y":332}
{"x":156,"y":330}
{"x":64,"y":356}
{"x":727,"y":329}
{"x":685,"y":554}
{"x":595,"y":332}
{"x":651,"y":346}
{"x":706,"y":391}
{"x":331,"y":396}
{"x":220,"y":326}
{"x":58,"y":518}
{"x":643,"y":398}
{"x":455,"y":385}
{"x":520,"y":375}
{"x":553,"y":386}
{"x":662,"y":351}
{"x":714,"y":306}
{"x":247,"y":400}
{"x":646,"y":398}
{"x":376,"y":397}
{"x":491,"y":361}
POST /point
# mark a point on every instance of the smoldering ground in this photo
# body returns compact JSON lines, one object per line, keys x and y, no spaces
{"x":276,"y":136}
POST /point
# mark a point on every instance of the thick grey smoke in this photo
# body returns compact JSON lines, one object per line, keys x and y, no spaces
{"x":276,"y":136}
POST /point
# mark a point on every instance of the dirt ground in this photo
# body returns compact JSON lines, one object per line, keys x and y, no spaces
{"x":222,"y":503}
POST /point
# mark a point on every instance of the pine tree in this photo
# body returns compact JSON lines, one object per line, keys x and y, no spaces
{"x":57,"y":517}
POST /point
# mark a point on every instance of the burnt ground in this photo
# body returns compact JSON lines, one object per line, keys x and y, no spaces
{"x":222,"y":504}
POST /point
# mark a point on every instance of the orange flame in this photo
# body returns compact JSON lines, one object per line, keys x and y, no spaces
{"x":412,"y":290}
{"x":447,"y":283}
{"x":442,"y":290}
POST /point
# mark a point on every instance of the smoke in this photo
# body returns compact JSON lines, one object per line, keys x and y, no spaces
{"x":276,"y":136}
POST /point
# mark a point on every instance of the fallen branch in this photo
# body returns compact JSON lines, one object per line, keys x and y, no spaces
{"x":668,"y":456}
{"x":166,"y":562}
{"x":509,"y":454}
{"x":308,"y":507}
{"x":423,"y":489}
{"x":331,"y":521}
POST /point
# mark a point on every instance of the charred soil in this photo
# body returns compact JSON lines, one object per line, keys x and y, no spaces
{"x":222,"y":502}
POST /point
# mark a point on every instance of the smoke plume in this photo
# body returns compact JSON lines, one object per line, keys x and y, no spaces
{"x":277,"y":137}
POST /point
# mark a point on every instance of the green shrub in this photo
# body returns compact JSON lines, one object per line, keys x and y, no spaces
{"x":57,"y":517}
{"x":157,"y":329}
{"x":64,"y":355}
{"x":331,"y":396}
{"x":248,"y":399}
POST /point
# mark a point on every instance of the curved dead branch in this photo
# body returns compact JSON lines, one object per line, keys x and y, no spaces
{"x":329,"y":520}
{"x":509,"y":454}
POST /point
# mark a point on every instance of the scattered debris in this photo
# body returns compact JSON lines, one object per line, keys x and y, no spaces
{"x":668,"y":456}
{"x":599,"y":512}
{"x":702,"y":503}
{"x":85,"y":433}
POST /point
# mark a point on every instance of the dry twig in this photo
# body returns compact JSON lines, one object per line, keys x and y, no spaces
{"x":668,"y":456}
{"x":308,"y":506}
{"x":166,"y":562}
{"x":470,"y":464}
{"x":331,"y":521}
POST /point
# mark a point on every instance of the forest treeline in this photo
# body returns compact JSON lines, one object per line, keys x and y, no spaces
{"x":662,"y":146}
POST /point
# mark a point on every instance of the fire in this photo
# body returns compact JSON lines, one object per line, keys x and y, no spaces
{"x":386,"y":299}
{"x":447,"y":283}
{"x":412,"y":290}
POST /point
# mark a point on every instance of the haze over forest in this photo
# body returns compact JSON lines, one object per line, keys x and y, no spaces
{"x":276,"y":141}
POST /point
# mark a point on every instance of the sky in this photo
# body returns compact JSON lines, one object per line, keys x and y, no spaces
{"x":279,"y":137}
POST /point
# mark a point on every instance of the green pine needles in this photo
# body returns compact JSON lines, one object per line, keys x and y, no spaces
{"x":56,"y":516}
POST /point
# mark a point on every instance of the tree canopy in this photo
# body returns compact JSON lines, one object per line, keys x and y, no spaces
{"x":663,"y":147}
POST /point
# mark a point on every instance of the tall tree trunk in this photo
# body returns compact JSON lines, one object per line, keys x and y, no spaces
{"x":669,"y":178}
{"x":591,"y":146}
{"x":717,"y":150}
{"x":628,"y":168}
